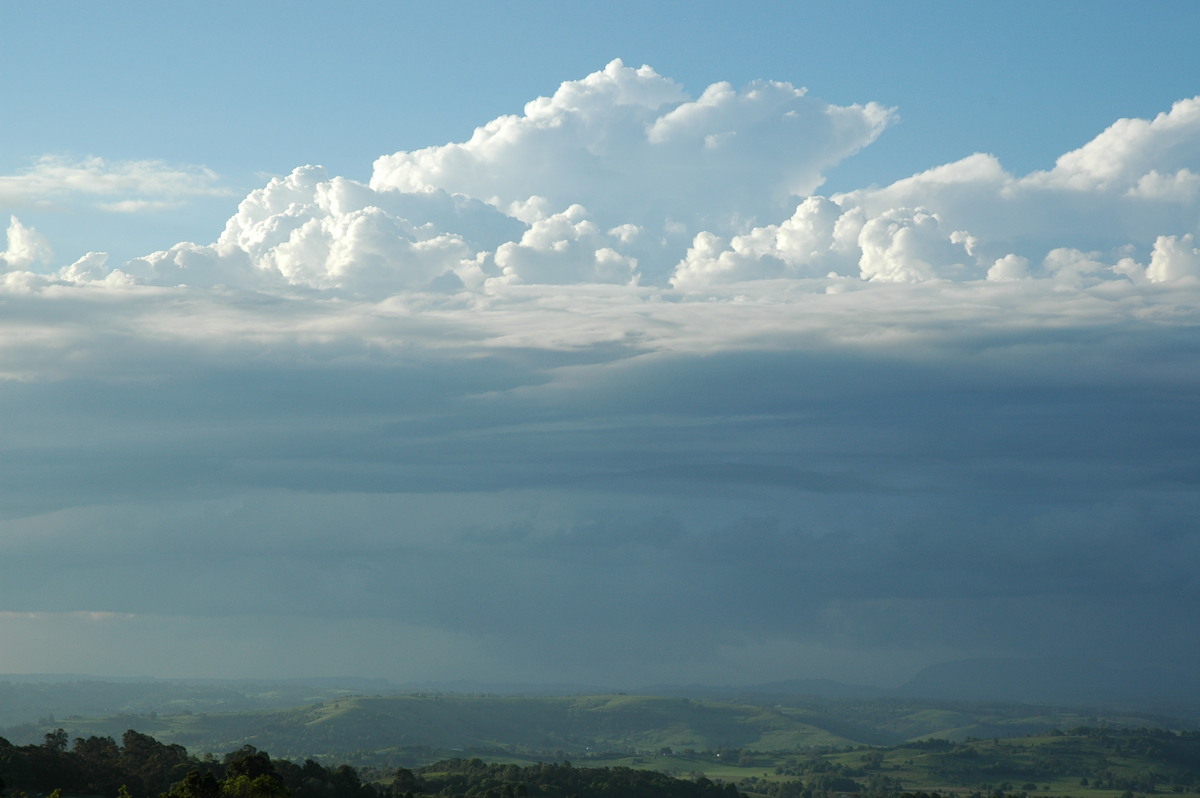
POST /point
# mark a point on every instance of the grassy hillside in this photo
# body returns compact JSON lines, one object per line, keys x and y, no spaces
{"x":1085,"y":762}
{"x":566,"y":726}
{"x":415,"y":729}
{"x":25,"y":700}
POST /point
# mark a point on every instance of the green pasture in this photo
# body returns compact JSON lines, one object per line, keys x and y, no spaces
{"x":927,"y":746}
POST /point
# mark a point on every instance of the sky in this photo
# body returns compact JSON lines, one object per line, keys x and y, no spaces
{"x":598,"y":343}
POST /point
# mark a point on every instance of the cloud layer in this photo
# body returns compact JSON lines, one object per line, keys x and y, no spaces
{"x":607,"y":392}
{"x":122,"y":187}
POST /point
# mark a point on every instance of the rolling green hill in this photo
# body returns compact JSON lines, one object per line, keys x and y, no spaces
{"x":414,"y":729}
{"x":874,"y":747}
{"x":569,"y":726}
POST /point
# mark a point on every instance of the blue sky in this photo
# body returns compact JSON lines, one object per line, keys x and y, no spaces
{"x":253,"y":89}
{"x":610,"y":344}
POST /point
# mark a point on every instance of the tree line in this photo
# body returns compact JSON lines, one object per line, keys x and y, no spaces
{"x":142,"y":767}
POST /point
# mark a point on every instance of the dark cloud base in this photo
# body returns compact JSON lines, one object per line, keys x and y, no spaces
{"x":643,"y":510}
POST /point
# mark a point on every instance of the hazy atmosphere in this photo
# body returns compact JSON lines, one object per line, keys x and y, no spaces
{"x":542,"y":342}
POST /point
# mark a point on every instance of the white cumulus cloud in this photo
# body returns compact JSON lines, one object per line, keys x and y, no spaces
{"x":566,"y":247}
{"x":1133,"y":155}
{"x":1130,"y":194}
{"x":605,"y":181}
{"x":633,"y":148}
{"x":26,"y":247}
{"x":905,"y":246}
{"x":308,"y":230}
{"x":623,"y":178}
{"x":1174,"y":258}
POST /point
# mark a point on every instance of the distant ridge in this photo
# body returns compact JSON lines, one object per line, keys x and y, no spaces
{"x":788,"y":688}
{"x":1057,"y":681}
{"x":66,"y":678}
{"x":1064,"y":681}
{"x":471,"y":687}
{"x":1087,"y":681}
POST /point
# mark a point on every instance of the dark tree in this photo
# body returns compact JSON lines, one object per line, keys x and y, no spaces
{"x":56,"y":740}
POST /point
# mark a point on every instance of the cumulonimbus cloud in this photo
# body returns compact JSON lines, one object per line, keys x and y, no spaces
{"x":536,"y":348}
{"x":623,"y":178}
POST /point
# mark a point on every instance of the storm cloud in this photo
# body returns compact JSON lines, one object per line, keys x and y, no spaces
{"x":609,"y":392}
